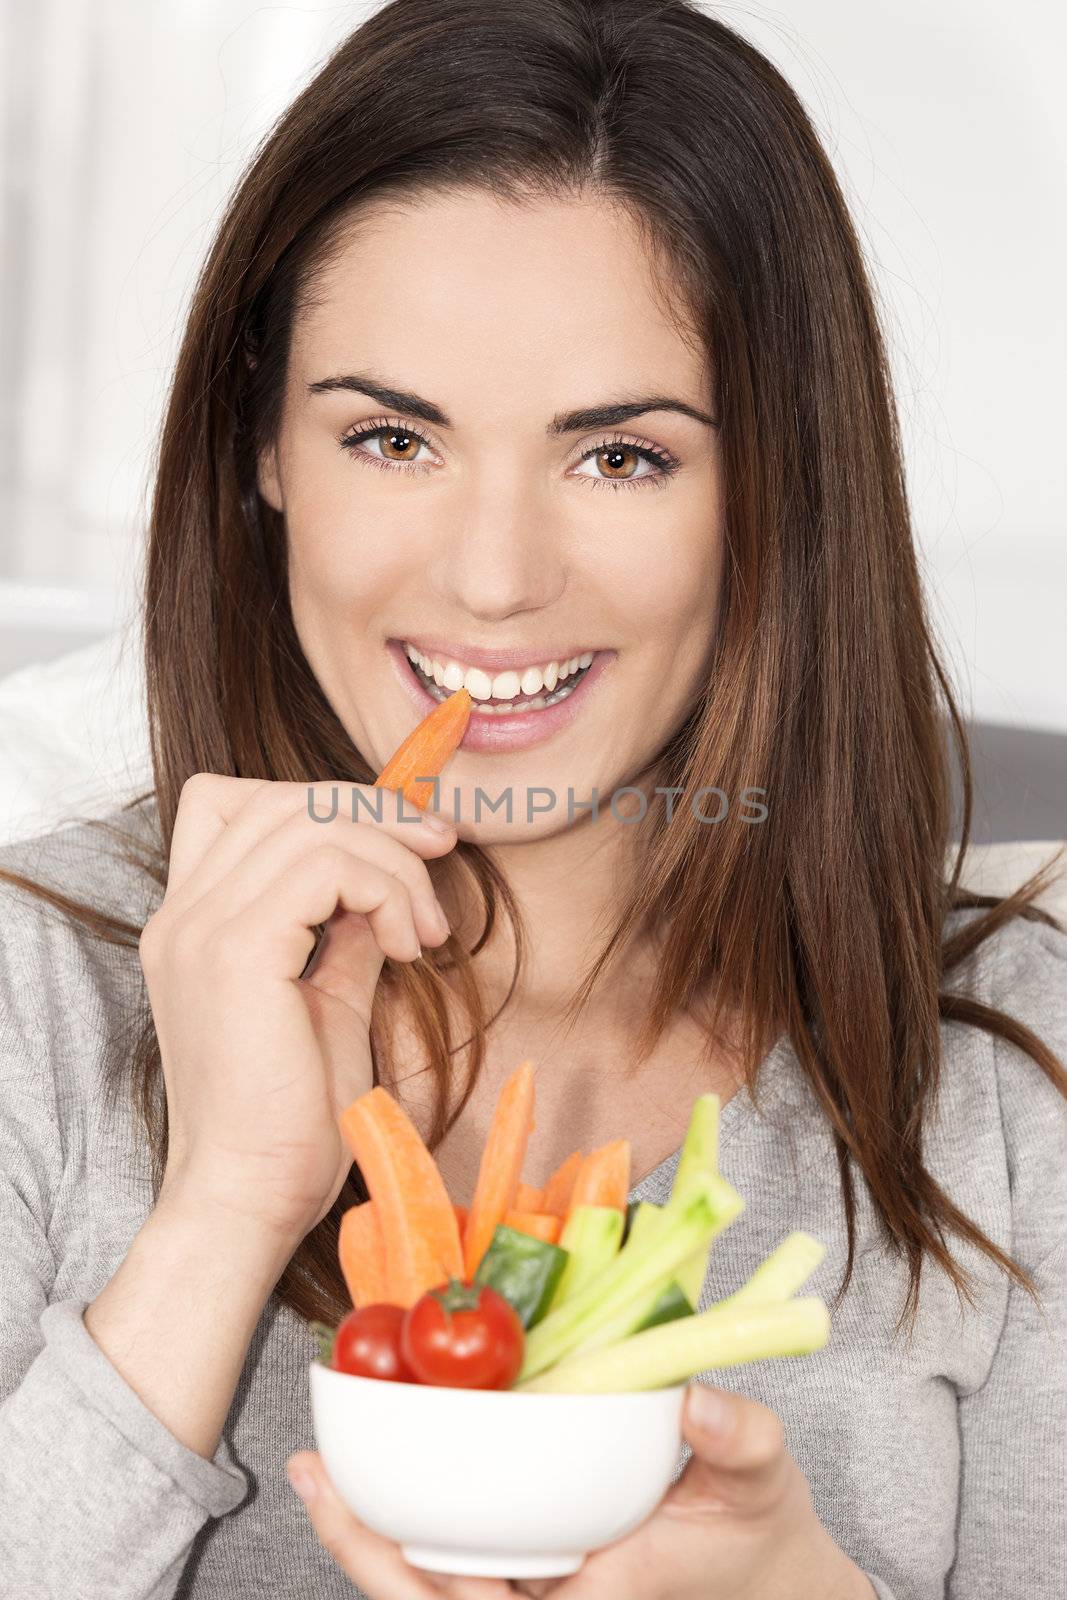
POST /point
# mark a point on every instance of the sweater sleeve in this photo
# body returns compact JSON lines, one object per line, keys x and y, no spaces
{"x":1012,"y":1521}
{"x":91,"y":1482}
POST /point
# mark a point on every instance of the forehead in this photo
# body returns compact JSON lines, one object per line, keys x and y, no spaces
{"x":479,"y":301}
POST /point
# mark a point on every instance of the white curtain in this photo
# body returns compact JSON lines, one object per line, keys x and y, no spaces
{"x":123,"y":125}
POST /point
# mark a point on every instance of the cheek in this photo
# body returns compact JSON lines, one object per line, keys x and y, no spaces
{"x":346,"y":548}
{"x":669,"y":586}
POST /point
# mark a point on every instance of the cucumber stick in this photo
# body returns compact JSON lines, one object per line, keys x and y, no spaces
{"x":674,"y":1352}
{"x":781,"y":1273}
{"x":591,"y":1239}
{"x":699,"y":1154}
{"x":626,"y":1280}
{"x":646,"y":1230}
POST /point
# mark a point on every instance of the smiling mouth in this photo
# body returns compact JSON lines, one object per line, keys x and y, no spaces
{"x":500,"y":695}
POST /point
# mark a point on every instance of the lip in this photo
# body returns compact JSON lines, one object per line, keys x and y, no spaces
{"x":522,"y":731}
{"x":469,"y":655}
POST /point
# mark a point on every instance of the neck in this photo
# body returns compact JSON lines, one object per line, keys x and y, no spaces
{"x":567,"y":888}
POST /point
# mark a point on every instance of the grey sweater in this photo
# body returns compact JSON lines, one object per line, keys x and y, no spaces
{"x":937,"y":1466}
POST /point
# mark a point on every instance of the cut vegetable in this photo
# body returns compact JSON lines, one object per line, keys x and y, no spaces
{"x":627,"y":1279}
{"x":524,"y":1270}
{"x":361,"y":1251}
{"x":591,"y":1239}
{"x":699,"y":1154}
{"x":722,"y":1336}
{"x":529,"y":1199}
{"x":501,"y":1163}
{"x":671,"y":1303}
{"x":420,"y":1234}
{"x":426,"y":749}
{"x":779,"y":1276}
{"x":603,"y":1179}
{"x":726,"y":1203}
{"x":557,"y":1191}
{"x":461,"y":1217}
{"x":537,"y":1223}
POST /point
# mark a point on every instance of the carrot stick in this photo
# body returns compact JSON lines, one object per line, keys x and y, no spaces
{"x":556,"y":1194}
{"x":461,"y":1217}
{"x":501,"y":1163}
{"x":604,"y":1177}
{"x":419,"y":1228}
{"x":361,"y":1250}
{"x":426,"y":749}
{"x":528,"y":1199}
{"x":537,"y":1223}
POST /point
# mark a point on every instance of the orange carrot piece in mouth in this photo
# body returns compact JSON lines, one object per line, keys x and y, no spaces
{"x":426,"y":749}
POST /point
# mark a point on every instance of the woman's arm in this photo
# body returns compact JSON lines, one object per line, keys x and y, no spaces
{"x":177,"y":1318}
{"x":93,"y":1482}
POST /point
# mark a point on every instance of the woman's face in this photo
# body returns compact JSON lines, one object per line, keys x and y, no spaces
{"x":481,"y":519}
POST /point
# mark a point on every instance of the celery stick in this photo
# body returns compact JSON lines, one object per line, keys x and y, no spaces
{"x":628,"y":1278}
{"x":628,"y":1319}
{"x":781,"y":1273}
{"x":591,"y":1237}
{"x":673,"y":1352}
{"x":646,"y":1218}
{"x":700,"y":1149}
{"x":699,"y":1154}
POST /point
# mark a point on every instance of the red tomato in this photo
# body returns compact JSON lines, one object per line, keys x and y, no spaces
{"x":367,"y":1343}
{"x":465,"y":1336}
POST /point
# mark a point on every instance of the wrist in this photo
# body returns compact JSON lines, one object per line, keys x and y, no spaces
{"x":254,"y":1250}
{"x":820,"y":1570}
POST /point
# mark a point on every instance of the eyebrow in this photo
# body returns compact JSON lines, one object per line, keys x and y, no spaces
{"x":609,"y":415}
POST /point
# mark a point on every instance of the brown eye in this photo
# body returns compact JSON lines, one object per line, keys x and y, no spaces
{"x":398,"y":446}
{"x":617,"y":460}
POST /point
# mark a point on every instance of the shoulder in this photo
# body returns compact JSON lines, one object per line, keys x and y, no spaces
{"x":1020,"y":971}
{"x":56,"y":973}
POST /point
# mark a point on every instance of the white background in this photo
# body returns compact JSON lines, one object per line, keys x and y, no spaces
{"x":126,"y":122}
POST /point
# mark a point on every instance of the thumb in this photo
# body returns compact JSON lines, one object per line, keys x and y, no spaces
{"x":739,"y":1455}
{"x":347,"y":963}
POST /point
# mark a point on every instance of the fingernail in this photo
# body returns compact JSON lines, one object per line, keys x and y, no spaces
{"x":709,"y":1409}
{"x":436,"y":824}
{"x":303,"y":1483}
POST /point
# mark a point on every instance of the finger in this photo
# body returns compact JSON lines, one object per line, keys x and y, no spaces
{"x":731,"y":1432}
{"x":219,"y":819}
{"x":373,"y":1561}
{"x":295,"y":835}
{"x":273,"y":933}
{"x":738,"y":1449}
{"x":206,"y":805}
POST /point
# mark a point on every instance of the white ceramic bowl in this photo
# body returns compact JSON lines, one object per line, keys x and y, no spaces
{"x":491,"y":1482}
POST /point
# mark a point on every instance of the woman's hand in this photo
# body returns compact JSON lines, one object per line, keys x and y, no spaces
{"x":258,"y":1060}
{"x":738,"y":1525}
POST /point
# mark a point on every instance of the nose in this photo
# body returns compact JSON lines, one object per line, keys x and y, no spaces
{"x":500,"y":555}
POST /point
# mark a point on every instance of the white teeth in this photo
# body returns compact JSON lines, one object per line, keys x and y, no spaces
{"x":529,"y":682}
{"x":479,"y":684}
{"x":505,"y":686}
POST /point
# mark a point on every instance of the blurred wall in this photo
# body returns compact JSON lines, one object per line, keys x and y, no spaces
{"x":126,"y":122}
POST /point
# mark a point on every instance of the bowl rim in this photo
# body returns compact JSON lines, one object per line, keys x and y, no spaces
{"x":496,"y":1395}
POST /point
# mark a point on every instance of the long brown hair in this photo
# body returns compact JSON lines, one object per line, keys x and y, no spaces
{"x":827,"y":689}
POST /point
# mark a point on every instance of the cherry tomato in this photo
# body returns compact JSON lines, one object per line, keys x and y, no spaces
{"x":463,"y":1335}
{"x":367,"y":1343}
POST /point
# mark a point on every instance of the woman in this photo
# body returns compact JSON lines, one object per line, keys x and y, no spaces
{"x":535,"y":346}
